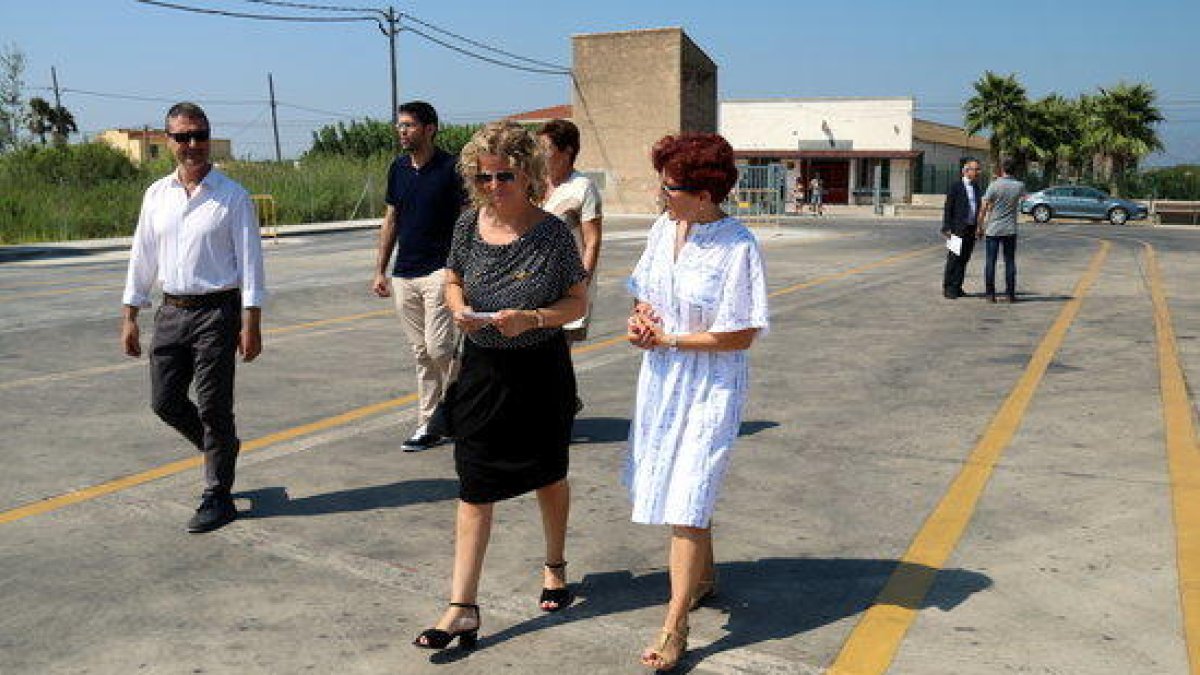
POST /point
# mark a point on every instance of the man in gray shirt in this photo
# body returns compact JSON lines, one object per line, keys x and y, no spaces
{"x":998,"y":222}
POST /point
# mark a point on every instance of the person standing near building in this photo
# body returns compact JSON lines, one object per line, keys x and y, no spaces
{"x":424,"y":198}
{"x":959,"y":219}
{"x":198,"y":235}
{"x":998,"y":222}
{"x":798,"y":195}
{"x":816,"y":195}
{"x":572,"y":197}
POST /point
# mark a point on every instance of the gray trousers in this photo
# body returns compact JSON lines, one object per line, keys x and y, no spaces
{"x":199,"y":345}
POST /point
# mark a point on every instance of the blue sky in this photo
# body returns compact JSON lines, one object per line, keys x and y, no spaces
{"x":778,"y":48}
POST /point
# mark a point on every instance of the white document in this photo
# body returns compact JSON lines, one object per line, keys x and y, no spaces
{"x":954,"y":243}
{"x":486,"y":316}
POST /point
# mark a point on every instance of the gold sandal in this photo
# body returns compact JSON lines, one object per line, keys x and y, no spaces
{"x":670,"y":649}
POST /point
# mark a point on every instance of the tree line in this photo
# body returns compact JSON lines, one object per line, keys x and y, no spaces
{"x":37,"y":116}
{"x":1097,"y":137}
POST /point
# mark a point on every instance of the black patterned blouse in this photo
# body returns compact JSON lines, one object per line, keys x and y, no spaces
{"x":535,"y":270}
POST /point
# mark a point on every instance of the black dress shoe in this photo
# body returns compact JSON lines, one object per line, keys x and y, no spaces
{"x":215,"y":511}
{"x":421,"y":440}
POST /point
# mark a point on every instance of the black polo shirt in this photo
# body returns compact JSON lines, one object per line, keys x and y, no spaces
{"x":427,"y":202}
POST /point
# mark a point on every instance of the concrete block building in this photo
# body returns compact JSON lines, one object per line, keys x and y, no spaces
{"x":631,"y":89}
{"x":142,"y":145}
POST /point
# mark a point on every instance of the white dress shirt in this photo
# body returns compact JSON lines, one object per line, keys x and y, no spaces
{"x":971,"y":197}
{"x":196,"y":245}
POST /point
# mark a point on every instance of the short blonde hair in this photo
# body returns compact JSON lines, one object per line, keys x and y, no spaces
{"x":514,"y":143}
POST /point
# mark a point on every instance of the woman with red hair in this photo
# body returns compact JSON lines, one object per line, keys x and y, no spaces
{"x":700,"y":299}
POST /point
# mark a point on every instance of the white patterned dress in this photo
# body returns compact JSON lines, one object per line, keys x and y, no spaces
{"x":689,"y":403}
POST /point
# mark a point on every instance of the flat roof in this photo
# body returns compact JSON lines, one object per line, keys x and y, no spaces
{"x":819,"y":98}
{"x":829,"y":154}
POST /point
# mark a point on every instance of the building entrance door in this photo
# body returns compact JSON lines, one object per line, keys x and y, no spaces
{"x":835,"y":173}
{"x":760,"y":191}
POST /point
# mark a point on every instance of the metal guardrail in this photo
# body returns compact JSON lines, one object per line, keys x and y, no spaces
{"x":268,"y":219}
{"x":1173,"y":211}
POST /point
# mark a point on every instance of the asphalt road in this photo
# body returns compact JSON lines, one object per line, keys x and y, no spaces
{"x":924,"y":486}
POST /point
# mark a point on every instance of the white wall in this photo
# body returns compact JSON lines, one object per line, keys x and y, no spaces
{"x":779,"y":124}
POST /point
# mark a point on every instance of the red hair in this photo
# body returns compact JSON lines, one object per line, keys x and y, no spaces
{"x":700,"y":161}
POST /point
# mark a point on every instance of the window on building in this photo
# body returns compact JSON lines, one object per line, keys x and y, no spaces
{"x":153,"y":151}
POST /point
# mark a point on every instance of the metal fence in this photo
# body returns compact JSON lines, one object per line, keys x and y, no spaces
{"x":935,"y":180}
{"x":760,"y":191}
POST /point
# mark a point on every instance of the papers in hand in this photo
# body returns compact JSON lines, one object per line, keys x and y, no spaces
{"x":954,"y":243}
{"x":482,"y":316}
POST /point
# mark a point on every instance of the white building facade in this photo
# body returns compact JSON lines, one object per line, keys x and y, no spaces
{"x":844,"y":141}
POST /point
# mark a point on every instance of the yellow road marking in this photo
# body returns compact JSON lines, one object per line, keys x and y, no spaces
{"x":874,"y":642}
{"x":116,"y":485}
{"x":854,"y":270}
{"x":60,"y":291}
{"x":55,"y":503}
{"x":137,"y":363}
{"x":1183,"y":458}
{"x":327,"y":322}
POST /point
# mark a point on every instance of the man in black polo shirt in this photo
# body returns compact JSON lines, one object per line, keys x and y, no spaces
{"x":424,"y":197}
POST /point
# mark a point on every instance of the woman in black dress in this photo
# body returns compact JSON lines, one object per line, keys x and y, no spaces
{"x":514,"y":277}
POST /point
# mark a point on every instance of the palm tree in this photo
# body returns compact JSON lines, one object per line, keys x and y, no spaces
{"x":1055,"y":124}
{"x":1001,"y":106}
{"x":40,"y":114}
{"x":62,"y":123}
{"x":1119,"y":126}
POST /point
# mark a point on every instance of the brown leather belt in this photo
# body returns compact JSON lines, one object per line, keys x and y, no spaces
{"x":207,"y":300}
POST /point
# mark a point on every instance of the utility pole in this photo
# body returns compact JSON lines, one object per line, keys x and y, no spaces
{"x":393,"y":27}
{"x":274,"y":118}
{"x":54,"y":79}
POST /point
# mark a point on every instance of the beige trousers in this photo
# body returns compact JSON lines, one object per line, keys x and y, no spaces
{"x":429,"y":327}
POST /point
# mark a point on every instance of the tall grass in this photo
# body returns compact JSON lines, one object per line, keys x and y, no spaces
{"x":91,"y":191}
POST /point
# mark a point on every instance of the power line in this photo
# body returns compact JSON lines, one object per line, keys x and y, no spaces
{"x":302,"y":5}
{"x":317,"y":110}
{"x":410,"y":17}
{"x":261,"y":17}
{"x":488,"y":59}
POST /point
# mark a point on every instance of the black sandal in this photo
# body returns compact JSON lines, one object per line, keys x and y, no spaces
{"x":561,"y":597}
{"x":436,"y":638}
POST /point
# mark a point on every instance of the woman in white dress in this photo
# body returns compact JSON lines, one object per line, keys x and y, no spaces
{"x":700,"y":299}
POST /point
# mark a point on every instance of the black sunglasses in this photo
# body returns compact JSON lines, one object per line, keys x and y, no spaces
{"x":185,"y":137}
{"x":501,"y":176}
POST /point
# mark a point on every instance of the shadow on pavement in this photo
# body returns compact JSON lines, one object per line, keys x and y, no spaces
{"x":767,"y":599}
{"x":1024,"y":296}
{"x":616,"y":429}
{"x":274,"y":502}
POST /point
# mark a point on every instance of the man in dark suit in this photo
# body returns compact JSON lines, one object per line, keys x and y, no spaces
{"x":958,"y":219}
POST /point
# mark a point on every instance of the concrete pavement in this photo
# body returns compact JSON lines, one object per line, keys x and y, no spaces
{"x":869,"y":398}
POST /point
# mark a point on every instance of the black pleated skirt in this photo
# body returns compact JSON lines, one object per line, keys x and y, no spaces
{"x":511,"y":418}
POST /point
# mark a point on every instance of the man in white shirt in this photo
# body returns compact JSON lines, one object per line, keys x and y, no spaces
{"x":198,"y":235}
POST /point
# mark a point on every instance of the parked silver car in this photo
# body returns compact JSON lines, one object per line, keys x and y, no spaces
{"x":1077,"y":201}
